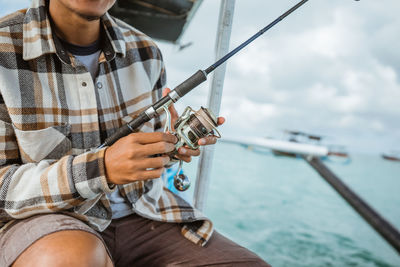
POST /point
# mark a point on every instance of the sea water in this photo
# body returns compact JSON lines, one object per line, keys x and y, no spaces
{"x":284,"y":211}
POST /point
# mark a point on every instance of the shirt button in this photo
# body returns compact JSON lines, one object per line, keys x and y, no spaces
{"x":99,"y":85}
{"x":84,"y":84}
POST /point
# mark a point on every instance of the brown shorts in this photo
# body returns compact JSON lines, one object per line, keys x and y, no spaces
{"x":23,"y":233}
{"x":137,"y":241}
{"x":132,"y":241}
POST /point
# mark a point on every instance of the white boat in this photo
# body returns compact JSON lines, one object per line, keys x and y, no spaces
{"x":280,"y":146}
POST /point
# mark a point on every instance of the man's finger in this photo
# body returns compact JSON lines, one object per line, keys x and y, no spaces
{"x":153,"y":163}
{"x":156,"y":148}
{"x":186,"y":159}
{"x":165,"y":91}
{"x":209,"y":140}
{"x":188,"y":152}
{"x":151,"y":174}
{"x":149,"y":138}
{"x":171,"y":108}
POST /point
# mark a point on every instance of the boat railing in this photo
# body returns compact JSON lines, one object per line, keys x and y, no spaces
{"x":214,"y":100}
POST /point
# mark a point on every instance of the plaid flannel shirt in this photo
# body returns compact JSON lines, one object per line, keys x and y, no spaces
{"x":53,"y":116}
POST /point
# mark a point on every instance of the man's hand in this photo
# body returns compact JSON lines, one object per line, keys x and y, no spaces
{"x":185,"y":153}
{"x":129,"y":159}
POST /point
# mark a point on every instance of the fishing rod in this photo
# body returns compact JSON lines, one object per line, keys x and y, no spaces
{"x":185,"y":87}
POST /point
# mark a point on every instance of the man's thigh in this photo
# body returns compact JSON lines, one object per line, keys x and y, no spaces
{"x":23,"y":234}
{"x":136,"y":241}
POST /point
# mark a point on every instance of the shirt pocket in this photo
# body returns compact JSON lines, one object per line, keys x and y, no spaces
{"x":49,"y":143}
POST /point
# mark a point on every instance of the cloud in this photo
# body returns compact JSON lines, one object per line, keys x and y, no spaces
{"x":328,"y":77}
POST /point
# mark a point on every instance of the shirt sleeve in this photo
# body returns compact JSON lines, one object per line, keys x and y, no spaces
{"x":45,"y":186}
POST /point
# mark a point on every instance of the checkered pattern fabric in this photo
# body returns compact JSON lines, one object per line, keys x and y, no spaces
{"x":53,"y":115}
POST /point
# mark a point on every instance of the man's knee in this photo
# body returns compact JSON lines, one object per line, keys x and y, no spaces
{"x":66,"y":248}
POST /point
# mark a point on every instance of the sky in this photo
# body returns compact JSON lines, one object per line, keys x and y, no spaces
{"x":331,"y":68}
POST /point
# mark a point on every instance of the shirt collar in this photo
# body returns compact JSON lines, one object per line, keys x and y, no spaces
{"x":38,"y":38}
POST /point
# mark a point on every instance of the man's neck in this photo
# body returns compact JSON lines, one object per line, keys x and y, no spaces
{"x":73,"y":28}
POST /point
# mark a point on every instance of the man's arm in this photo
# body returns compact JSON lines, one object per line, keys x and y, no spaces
{"x":48,"y":185}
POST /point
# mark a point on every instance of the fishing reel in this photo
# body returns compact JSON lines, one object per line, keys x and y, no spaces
{"x":190,"y":127}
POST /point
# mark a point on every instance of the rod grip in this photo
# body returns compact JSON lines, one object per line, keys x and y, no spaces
{"x":130,"y":127}
{"x":190,"y":83}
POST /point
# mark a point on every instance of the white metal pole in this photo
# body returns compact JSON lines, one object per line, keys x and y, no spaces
{"x":214,"y":100}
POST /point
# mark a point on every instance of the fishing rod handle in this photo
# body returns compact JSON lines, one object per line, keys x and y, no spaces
{"x":130,"y":127}
{"x":191,"y":82}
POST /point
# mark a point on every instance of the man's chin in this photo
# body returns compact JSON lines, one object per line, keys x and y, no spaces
{"x":89,"y":17}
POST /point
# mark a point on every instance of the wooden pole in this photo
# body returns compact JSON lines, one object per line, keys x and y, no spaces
{"x":373,"y":218}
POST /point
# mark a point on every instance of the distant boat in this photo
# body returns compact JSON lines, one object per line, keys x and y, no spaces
{"x":310,"y":139}
{"x":284,"y":154}
{"x":281,"y":147}
{"x":393,"y":156}
{"x":338,"y":154}
{"x":302,"y":137}
{"x":295,"y":144}
{"x":338,"y":151}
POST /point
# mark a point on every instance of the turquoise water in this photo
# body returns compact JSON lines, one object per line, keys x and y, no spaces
{"x":281,"y":209}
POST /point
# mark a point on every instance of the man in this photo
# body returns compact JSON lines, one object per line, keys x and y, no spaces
{"x":70,"y":75}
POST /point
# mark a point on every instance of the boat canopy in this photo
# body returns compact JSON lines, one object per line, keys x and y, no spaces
{"x":160,"y":19}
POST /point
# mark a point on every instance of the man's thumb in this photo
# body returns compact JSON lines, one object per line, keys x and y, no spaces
{"x":166,"y":91}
